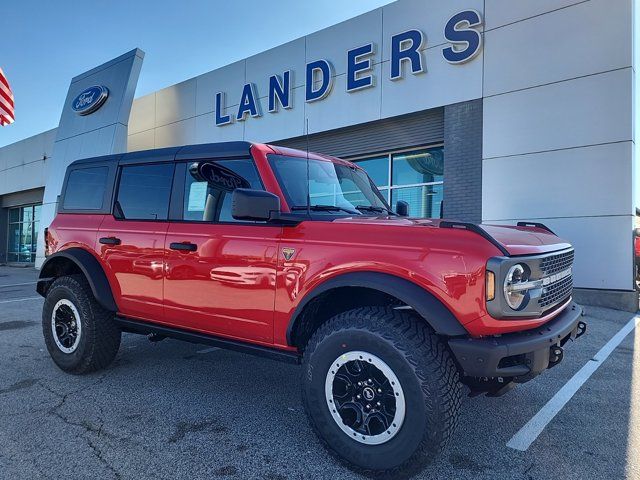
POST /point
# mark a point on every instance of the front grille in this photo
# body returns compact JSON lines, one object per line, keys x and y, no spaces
{"x":556,"y":292}
{"x":561,"y":289}
{"x":556,"y":263}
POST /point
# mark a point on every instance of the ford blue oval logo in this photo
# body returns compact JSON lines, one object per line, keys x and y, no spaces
{"x":90,"y":100}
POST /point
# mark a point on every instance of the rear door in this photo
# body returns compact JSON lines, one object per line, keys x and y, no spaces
{"x":220,"y":272}
{"x":131,"y":240}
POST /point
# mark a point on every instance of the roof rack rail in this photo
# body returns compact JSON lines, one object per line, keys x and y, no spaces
{"x":473,"y":227}
{"x":535,"y":224}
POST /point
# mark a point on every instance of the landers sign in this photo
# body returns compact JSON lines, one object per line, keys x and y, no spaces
{"x":461,"y":31}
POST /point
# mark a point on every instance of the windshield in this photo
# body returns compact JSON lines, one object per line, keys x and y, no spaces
{"x":346,"y":188}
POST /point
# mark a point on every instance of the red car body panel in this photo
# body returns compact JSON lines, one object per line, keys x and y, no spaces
{"x":135,"y":267}
{"x":448,"y":263}
{"x":227,"y":286}
{"x":74,"y":231}
{"x":239,"y":285}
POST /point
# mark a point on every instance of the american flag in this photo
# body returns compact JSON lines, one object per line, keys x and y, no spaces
{"x":6,"y":101}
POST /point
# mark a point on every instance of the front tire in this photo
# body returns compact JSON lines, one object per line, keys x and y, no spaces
{"x":380,"y":390}
{"x":80,"y":335}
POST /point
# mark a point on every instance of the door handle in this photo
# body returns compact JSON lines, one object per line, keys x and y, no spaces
{"x":110,"y":241}
{"x":185,"y":247}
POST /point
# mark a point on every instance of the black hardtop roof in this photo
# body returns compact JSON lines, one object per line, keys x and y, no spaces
{"x":187,"y":152}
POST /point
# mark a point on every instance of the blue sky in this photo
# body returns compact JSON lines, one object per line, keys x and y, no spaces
{"x":45,"y":46}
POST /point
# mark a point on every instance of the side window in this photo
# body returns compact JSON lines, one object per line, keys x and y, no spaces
{"x":144,"y":192}
{"x":85,"y":188}
{"x":208,"y":187}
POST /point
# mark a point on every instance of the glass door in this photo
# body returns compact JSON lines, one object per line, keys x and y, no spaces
{"x":23,"y":232}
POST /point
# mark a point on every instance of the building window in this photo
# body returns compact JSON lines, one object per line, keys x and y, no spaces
{"x":23,"y":233}
{"x":415,"y":176}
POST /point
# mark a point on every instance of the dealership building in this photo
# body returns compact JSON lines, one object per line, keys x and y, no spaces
{"x":490,"y":111}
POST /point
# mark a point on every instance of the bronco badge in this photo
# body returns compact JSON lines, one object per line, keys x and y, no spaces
{"x":288,"y":252}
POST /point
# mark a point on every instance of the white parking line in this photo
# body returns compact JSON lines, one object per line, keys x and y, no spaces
{"x":20,"y":299}
{"x":523,"y":439}
{"x":18,"y":284}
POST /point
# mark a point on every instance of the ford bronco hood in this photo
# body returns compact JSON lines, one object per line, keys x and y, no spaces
{"x":516,"y":240}
{"x":525,"y":240}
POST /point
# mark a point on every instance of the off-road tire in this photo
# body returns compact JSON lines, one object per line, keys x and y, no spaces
{"x":422,"y":364}
{"x":100,"y":337}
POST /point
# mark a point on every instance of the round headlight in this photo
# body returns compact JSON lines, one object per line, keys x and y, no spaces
{"x":514,"y":293}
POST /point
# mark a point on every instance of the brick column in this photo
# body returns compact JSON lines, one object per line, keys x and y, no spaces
{"x":463,"y":161}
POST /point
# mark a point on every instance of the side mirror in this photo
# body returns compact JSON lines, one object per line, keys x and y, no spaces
{"x":402,"y":208}
{"x":256,"y":205}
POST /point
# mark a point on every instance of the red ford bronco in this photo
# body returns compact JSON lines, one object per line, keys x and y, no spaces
{"x":299,"y":258}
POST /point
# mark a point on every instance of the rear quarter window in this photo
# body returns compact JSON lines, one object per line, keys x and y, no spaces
{"x":86,"y":188}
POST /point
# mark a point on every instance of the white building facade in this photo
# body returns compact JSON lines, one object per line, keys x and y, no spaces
{"x":479,"y":110}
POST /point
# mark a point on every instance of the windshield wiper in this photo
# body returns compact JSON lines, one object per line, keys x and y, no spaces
{"x":325,"y":208}
{"x":371,"y":208}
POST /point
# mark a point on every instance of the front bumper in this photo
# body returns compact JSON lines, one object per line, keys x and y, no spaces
{"x":520,"y":355}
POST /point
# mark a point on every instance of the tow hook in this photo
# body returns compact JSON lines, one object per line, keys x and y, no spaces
{"x":556,"y":354}
{"x":581,"y":329}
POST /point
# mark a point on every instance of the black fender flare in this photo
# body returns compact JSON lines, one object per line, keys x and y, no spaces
{"x":423,"y":302}
{"x":89,"y":266}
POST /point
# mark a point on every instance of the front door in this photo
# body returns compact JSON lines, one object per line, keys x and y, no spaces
{"x":220,"y":273}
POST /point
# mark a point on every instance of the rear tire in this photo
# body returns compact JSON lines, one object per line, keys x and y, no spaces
{"x":409,"y":432}
{"x":80,"y":335}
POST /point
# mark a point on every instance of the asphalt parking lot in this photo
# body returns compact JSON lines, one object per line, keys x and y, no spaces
{"x":177,"y":410}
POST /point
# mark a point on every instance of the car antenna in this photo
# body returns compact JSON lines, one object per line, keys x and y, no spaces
{"x":308,"y":174}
